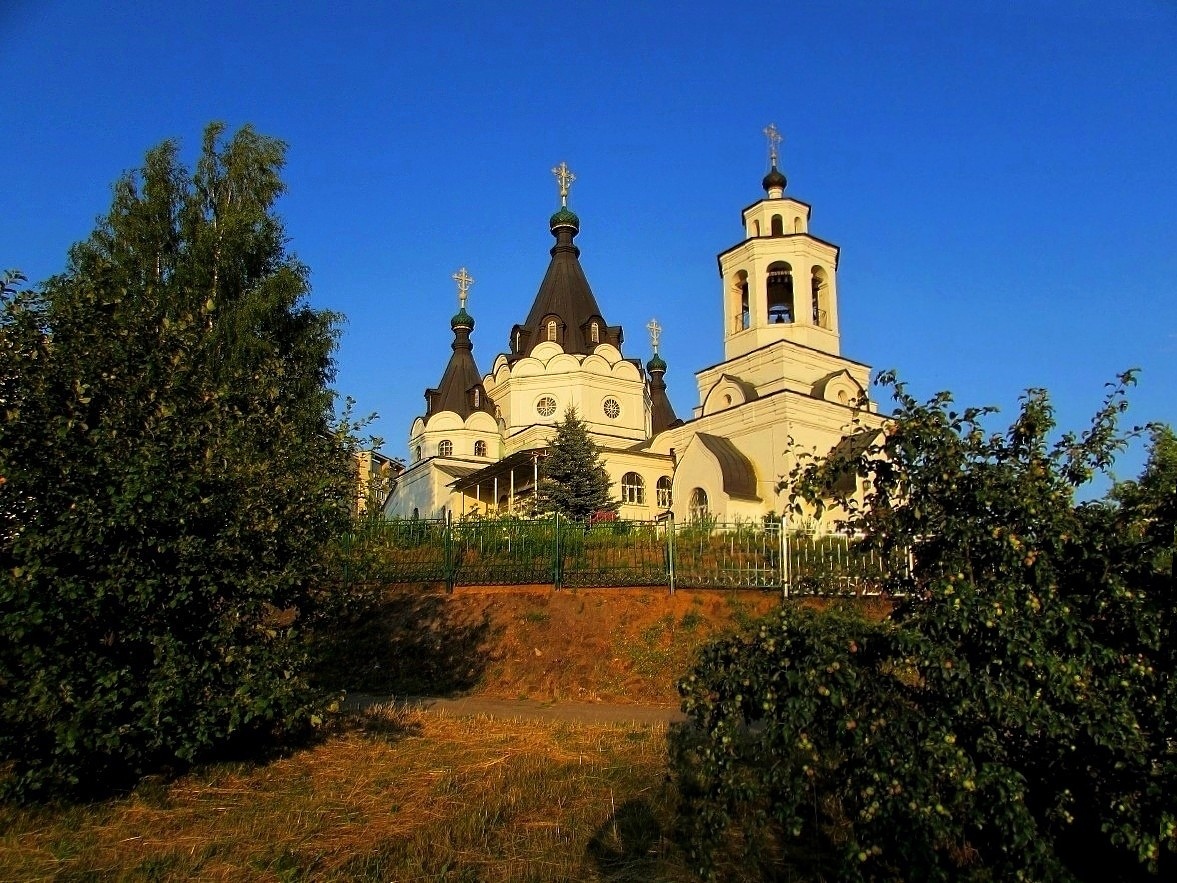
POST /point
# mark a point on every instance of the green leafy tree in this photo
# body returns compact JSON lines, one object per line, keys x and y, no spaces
{"x":574,"y":482}
{"x":1013,"y":717}
{"x":1148,"y":506}
{"x":170,"y":477}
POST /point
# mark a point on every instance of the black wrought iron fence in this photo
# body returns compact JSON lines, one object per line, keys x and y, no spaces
{"x":556,"y":551}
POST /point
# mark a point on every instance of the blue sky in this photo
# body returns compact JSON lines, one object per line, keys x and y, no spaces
{"x":999,"y":176}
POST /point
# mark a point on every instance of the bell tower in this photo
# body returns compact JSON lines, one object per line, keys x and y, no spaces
{"x":779,"y":282}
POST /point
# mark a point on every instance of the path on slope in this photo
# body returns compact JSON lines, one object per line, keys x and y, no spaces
{"x":530,"y":709}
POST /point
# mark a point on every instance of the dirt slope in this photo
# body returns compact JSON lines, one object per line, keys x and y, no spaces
{"x":608,"y":645}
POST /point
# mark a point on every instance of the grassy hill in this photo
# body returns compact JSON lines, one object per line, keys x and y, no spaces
{"x":608,"y":645}
{"x":396,"y":794}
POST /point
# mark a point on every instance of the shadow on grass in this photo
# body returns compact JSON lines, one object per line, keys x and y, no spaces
{"x":629,"y":845}
{"x":402,"y":641}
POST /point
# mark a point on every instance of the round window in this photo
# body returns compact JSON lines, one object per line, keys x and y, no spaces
{"x":546,"y":406}
{"x":612,"y":409}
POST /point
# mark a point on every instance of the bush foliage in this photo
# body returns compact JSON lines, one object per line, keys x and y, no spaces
{"x":1013,"y":718}
{"x":169,"y":477}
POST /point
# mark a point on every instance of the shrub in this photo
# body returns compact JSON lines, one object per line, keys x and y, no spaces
{"x":1012,"y":719}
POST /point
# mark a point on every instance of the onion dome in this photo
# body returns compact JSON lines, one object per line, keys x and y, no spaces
{"x":462,"y":319}
{"x":774,"y":180}
{"x":565,"y":217}
{"x":656,"y":364}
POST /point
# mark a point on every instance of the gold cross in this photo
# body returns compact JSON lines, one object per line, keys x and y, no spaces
{"x":774,"y":138}
{"x":655,"y":334}
{"x":565,"y":178}
{"x":464,"y":280}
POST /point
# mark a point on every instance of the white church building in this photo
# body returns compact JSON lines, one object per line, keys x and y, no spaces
{"x":783,"y":387}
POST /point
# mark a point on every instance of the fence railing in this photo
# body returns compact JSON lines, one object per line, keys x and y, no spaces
{"x":563,"y":553}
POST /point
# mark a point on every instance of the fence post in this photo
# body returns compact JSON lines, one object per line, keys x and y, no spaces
{"x":556,"y":575}
{"x":785,"y":575}
{"x":450,"y":569}
{"x":670,"y":551}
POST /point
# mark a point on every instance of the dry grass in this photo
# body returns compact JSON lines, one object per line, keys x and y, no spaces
{"x":403,"y":795}
{"x":392,"y":795}
{"x":611,"y":645}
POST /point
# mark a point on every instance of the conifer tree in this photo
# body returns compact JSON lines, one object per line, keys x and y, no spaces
{"x":170,"y":477}
{"x":574,"y":481}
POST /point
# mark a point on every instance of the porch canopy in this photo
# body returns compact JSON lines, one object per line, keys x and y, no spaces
{"x":498,"y":485}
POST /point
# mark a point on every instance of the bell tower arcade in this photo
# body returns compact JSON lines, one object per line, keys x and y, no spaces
{"x":779,"y":282}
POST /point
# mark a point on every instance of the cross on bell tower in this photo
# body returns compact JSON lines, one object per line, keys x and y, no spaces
{"x":774,"y":138}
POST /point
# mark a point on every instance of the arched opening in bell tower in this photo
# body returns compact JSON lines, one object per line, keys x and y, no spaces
{"x":779,"y":284}
{"x":778,"y":226}
{"x":819,"y":288}
{"x":743,"y":314}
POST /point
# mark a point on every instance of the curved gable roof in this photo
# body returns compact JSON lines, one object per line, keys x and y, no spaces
{"x":739,"y":476}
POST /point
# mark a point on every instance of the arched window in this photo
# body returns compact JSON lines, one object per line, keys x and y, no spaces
{"x":817,"y":284}
{"x":594,"y":333}
{"x":697,"y":510}
{"x":417,"y":453}
{"x":518,"y":339}
{"x":416,"y":513}
{"x":780,"y":292}
{"x":633,"y":489}
{"x":796,"y":225}
{"x":663,"y":490}
{"x":755,"y":228}
{"x":552,"y":330}
{"x":477,"y":397}
{"x":745,"y":318}
{"x":479,"y":449}
{"x":445,"y":448}
{"x":778,"y":226}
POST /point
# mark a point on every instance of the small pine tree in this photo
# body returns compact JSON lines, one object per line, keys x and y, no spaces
{"x":574,"y":482}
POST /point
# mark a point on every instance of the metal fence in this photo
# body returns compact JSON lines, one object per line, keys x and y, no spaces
{"x":563,"y":553}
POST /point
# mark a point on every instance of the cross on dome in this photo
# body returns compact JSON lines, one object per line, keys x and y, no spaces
{"x":565,"y":178}
{"x":464,"y":280}
{"x":655,"y":334}
{"x":774,"y":138}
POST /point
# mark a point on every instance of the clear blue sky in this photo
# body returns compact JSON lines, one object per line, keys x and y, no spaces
{"x":1000,"y":177}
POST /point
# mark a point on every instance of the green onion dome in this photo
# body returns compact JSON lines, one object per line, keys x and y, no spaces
{"x":462,"y":319}
{"x":656,"y":364}
{"x":565,"y":218}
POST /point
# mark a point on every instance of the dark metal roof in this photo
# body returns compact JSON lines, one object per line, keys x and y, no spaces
{"x":458,"y":383}
{"x":662,"y":414}
{"x":457,"y":471}
{"x":564,"y":294}
{"x":739,"y":476}
{"x":501,"y":468}
{"x":845,"y":456}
